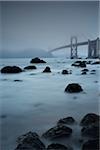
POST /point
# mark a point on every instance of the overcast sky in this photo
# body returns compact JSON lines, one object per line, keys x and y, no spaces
{"x":46,"y":25}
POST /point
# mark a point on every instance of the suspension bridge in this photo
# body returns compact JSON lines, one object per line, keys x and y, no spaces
{"x":93,"y":47}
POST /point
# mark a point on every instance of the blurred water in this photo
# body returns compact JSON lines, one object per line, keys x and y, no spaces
{"x":39,"y":101}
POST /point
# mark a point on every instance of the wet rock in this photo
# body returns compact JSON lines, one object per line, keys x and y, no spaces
{"x":58,"y":131}
{"x":81,"y":64}
{"x":91,"y":145}
{"x":85,"y":70}
{"x":30,"y":67}
{"x":11,"y":69}
{"x":30,"y":141}
{"x":47,"y":70}
{"x":91,"y":131}
{"x":65,"y":72}
{"x":56,"y":146}
{"x":90,"y":119}
{"x":73,"y":88}
{"x":96,"y":63}
{"x":37,"y":60}
{"x":68,"y":120}
{"x":17,"y":80}
{"x":93,"y":70}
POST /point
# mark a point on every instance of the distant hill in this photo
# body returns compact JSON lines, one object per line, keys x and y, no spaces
{"x":27,"y":53}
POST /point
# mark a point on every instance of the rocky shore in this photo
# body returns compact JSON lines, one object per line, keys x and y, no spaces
{"x":63,"y":128}
{"x":89,"y":130}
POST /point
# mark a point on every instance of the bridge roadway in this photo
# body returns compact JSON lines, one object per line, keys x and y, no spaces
{"x":68,"y":46}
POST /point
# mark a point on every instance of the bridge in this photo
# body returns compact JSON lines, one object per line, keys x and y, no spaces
{"x":93,"y":47}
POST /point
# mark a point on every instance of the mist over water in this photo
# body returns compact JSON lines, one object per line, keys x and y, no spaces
{"x":39,"y":101}
{"x":46,"y":25}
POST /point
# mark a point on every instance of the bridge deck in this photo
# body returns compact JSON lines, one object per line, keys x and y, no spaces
{"x":68,"y":46}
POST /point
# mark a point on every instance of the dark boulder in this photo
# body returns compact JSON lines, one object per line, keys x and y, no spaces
{"x":58,"y":131}
{"x":37,"y":60}
{"x":30,"y":141}
{"x":91,"y":131}
{"x":30,"y":67}
{"x":68,"y":120}
{"x":78,"y":61}
{"x":73,"y":88}
{"x":56,"y":146}
{"x":11,"y":69}
{"x":91,"y":145}
{"x":96,"y":63}
{"x":18,"y":80}
{"x":85,"y":70}
{"x":47,"y":70}
{"x":93,"y":70}
{"x":90,"y":119}
{"x":81,"y":64}
{"x":65,"y":72}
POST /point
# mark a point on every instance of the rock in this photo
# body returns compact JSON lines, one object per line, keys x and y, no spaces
{"x":30,"y":67}
{"x":58,"y":131}
{"x":73,"y":88}
{"x":11,"y":69}
{"x":17,"y":80}
{"x":68,"y":120}
{"x":93,"y":70}
{"x":47,"y":70}
{"x":81,"y":64}
{"x":56,"y":146}
{"x":37,"y":60}
{"x":65,"y":72}
{"x":85,"y":70}
{"x":91,"y":145}
{"x":30,"y":141}
{"x":90,"y":119}
{"x":91,"y":131}
{"x":96,"y":63}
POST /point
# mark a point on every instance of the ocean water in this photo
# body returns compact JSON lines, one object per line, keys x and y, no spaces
{"x":39,"y":101}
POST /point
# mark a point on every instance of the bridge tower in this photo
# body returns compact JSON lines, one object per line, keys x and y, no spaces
{"x":73,"y":41}
{"x":94,"y":48}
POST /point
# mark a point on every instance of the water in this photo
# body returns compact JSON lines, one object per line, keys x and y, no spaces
{"x":39,"y":101}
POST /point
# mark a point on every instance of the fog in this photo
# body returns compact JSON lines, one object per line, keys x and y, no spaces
{"x":46,"y":25}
